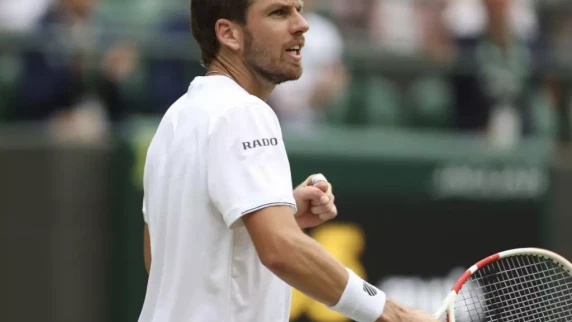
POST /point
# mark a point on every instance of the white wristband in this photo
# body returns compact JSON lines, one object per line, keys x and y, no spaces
{"x":361,"y":301}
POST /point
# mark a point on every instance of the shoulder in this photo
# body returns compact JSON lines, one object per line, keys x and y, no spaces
{"x":222,"y":100}
{"x":246,"y":115}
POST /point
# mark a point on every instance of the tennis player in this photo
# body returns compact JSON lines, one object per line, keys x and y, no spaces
{"x":224,"y":239}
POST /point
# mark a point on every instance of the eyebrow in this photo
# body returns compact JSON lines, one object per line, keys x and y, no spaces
{"x":287,"y":4}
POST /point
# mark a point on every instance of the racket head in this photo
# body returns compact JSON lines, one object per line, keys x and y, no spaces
{"x":524,"y":284}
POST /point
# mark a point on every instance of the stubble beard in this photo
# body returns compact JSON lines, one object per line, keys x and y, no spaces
{"x":259,"y":59}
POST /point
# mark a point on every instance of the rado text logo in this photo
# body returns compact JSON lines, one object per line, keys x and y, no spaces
{"x":259,"y":143}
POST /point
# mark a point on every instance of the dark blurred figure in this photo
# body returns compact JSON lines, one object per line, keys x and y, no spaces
{"x":491,"y":84}
{"x":170,"y":76}
{"x":64,"y":71}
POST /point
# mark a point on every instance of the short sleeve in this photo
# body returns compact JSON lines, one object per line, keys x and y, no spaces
{"x":248,"y":168}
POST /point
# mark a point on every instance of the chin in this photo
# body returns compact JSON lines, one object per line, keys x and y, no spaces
{"x":291,"y":75}
{"x":278,"y":76}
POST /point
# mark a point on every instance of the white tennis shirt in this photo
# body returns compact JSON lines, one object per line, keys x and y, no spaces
{"x":217,"y":155}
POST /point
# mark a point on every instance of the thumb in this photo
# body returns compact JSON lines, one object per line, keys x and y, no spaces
{"x":314,"y":194}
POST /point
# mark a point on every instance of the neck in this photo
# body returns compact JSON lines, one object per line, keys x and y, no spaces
{"x":253,"y":83}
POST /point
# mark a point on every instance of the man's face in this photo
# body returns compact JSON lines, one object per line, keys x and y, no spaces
{"x":273,"y":39}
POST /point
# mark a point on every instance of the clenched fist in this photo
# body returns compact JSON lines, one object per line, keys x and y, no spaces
{"x":315,"y":202}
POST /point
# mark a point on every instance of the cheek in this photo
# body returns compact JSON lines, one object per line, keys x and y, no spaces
{"x":267,"y":49}
{"x":272,"y":35}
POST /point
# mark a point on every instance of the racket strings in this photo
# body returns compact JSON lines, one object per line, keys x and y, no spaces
{"x":555,"y":288}
{"x":521,"y":283}
{"x":519,"y":288}
{"x":515,"y":311}
{"x":553,"y":301}
{"x":558,"y":274}
{"x":516,"y":302}
{"x":542,"y":316}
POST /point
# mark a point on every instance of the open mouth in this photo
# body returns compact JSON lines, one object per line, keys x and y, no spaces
{"x":295,"y":52}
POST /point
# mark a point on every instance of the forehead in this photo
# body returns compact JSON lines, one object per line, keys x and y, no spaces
{"x":262,"y":4}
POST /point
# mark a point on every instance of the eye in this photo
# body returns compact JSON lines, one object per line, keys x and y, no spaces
{"x":279,"y":13}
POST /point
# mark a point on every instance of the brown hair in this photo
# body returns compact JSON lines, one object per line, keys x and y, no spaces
{"x":205,"y":14}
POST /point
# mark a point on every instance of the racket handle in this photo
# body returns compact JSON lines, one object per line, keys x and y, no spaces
{"x":450,"y":298}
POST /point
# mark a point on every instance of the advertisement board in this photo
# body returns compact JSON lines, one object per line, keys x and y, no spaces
{"x":414,"y":252}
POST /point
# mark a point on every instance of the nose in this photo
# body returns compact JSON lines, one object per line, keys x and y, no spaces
{"x":301,"y":26}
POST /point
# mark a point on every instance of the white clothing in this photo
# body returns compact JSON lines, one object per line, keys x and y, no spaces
{"x":466,"y":18}
{"x":217,"y":155}
{"x":22,"y":15}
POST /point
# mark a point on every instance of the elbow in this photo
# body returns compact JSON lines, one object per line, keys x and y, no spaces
{"x":278,"y":257}
{"x":274,"y":263}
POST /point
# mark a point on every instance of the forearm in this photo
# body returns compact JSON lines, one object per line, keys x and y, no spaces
{"x":313,"y":271}
{"x":309,"y":268}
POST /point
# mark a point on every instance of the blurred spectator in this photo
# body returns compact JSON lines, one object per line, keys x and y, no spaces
{"x":410,"y":27}
{"x":299,"y":103}
{"x":492,"y":95}
{"x":21,"y":15}
{"x":65,"y":80}
{"x":353,"y":17}
{"x":558,"y":34}
{"x":468,"y":18}
{"x":395,"y":26}
{"x":170,"y":76}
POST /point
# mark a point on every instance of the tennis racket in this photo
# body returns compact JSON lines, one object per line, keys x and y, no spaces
{"x":525,"y":284}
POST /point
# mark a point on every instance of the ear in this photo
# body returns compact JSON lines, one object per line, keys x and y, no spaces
{"x":229,"y":34}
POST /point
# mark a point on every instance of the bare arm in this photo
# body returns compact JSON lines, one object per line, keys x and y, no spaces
{"x":294,"y":257}
{"x":147,"y":248}
{"x":304,"y":264}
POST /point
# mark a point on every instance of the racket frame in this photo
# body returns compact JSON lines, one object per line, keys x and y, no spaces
{"x":448,"y":306}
